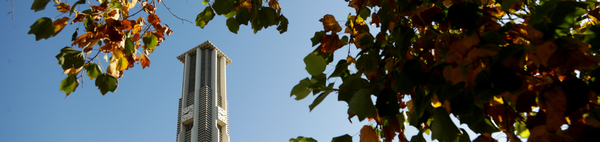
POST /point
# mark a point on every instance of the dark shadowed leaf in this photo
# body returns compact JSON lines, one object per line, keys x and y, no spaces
{"x":39,"y":5}
{"x":315,"y":64}
{"x":42,"y":28}
{"x":107,"y":82}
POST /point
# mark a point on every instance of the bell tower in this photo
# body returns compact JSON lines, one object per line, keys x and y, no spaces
{"x":203,"y":107}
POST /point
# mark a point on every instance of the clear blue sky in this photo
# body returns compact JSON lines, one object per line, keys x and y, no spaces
{"x":265,"y":67}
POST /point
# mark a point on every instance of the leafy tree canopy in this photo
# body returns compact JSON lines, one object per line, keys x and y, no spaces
{"x":490,"y":63}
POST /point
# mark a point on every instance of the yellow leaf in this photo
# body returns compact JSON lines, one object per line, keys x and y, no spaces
{"x":330,"y":24}
{"x":275,"y":5}
{"x":144,"y":60}
{"x":112,"y":69}
{"x":435,"y":102}
{"x":122,"y":64}
{"x":350,"y":59}
{"x":60,"y":24}
{"x":63,"y":7}
{"x":136,"y":29}
{"x":72,"y":70}
{"x":117,"y":54}
{"x":367,"y":134}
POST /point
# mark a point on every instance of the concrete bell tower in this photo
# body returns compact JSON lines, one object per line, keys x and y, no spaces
{"x":203,"y":107}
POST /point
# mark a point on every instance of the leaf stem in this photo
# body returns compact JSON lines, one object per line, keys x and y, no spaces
{"x":169,"y":9}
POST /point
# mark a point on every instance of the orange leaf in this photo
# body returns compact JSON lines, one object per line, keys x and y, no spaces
{"x":144,"y":60}
{"x":149,"y":8}
{"x":330,"y":24}
{"x":556,"y":106}
{"x":127,"y":24}
{"x":60,"y":24}
{"x":330,"y":43}
{"x":367,"y":134}
{"x":153,"y":19}
{"x":84,"y":39}
{"x":275,"y":5}
{"x":350,"y":59}
{"x":63,"y":7}
{"x":247,"y":4}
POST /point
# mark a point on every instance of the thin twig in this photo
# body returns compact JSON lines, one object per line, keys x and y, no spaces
{"x":169,"y":9}
{"x":13,"y":9}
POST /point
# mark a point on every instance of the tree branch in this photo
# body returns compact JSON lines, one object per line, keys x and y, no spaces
{"x":13,"y":9}
{"x":169,"y":9}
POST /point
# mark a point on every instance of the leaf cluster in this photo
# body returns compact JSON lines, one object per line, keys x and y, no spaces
{"x":520,"y":67}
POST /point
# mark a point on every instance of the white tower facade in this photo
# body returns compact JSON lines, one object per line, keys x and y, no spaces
{"x":203,"y":107}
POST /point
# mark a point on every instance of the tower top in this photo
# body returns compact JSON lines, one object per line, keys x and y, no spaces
{"x":206,"y":45}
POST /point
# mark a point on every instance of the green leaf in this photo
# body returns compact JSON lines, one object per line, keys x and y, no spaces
{"x":73,"y":7}
{"x":93,"y":70}
{"x":204,"y":17}
{"x":321,"y":96}
{"x":116,"y":4}
{"x":283,"y":24}
{"x":483,"y":126}
{"x":315,"y":39}
{"x":231,"y":14}
{"x":301,"y":90}
{"x":69,"y":57}
{"x":362,"y":105}
{"x":204,"y":2}
{"x":464,"y":136}
{"x":223,"y":6}
{"x":233,"y":25}
{"x":42,"y":28}
{"x":442,"y":127}
{"x":341,"y":69}
{"x":267,"y":16}
{"x":302,"y":139}
{"x":243,"y":16}
{"x":522,"y":129}
{"x":345,"y":40}
{"x":69,"y":84}
{"x":387,"y":103}
{"x":418,"y":138}
{"x":88,"y":22}
{"x":315,"y":64}
{"x":75,"y":34}
{"x":506,"y":4}
{"x":129,"y":46}
{"x":107,"y":82}
{"x":343,"y":138}
{"x":150,"y":42}
{"x":39,"y":5}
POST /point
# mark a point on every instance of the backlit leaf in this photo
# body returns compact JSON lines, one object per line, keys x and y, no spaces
{"x":63,"y":7}
{"x":69,"y":84}
{"x":122,"y":64}
{"x":204,"y":17}
{"x":93,"y":70}
{"x":330,"y":24}
{"x":330,"y":43}
{"x":150,"y":41}
{"x":367,"y":134}
{"x":144,"y":60}
{"x":301,"y":90}
{"x":315,"y":64}
{"x":302,"y":139}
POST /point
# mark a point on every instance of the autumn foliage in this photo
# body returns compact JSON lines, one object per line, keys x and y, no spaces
{"x":128,"y":39}
{"x":524,"y":68}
